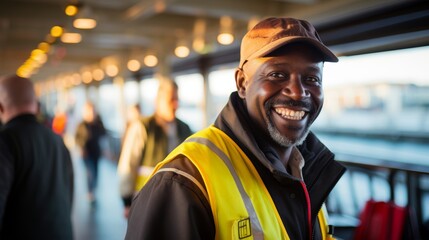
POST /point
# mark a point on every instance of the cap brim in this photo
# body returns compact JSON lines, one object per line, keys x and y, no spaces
{"x":328,"y":56}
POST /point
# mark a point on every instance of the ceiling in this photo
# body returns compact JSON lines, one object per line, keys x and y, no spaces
{"x":132,"y":28}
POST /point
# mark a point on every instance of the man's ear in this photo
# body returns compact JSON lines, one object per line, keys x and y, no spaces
{"x":240,"y":82}
{"x":1,"y":113}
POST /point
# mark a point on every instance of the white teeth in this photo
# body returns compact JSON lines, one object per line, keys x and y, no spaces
{"x":290,"y":114}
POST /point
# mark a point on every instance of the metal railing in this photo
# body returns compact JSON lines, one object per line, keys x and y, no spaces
{"x":405,"y":184}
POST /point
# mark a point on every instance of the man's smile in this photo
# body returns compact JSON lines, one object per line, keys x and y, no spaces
{"x":289,"y":113}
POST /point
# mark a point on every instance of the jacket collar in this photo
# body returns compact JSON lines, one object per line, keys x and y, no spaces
{"x":235,"y":121}
{"x":27,"y":117}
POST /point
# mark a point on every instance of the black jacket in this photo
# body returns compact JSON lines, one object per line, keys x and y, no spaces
{"x":88,"y":137}
{"x":36,"y":182}
{"x":172,"y":207}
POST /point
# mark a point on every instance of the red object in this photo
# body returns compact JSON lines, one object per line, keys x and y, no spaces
{"x":381,"y":221}
{"x":59,"y":124}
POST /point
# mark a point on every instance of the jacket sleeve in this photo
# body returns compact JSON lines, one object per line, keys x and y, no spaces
{"x":6,"y":177}
{"x":170,"y":206}
{"x":129,"y":160}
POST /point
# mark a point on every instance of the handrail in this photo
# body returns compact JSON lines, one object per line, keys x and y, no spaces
{"x":377,"y":163}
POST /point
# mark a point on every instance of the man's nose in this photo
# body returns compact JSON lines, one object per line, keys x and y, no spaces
{"x":295,"y":89}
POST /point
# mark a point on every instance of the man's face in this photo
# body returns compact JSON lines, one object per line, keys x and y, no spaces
{"x":283,"y":92}
{"x":88,"y":113}
{"x":168,"y":103}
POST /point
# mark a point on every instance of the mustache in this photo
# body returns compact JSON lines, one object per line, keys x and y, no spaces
{"x":305,"y":103}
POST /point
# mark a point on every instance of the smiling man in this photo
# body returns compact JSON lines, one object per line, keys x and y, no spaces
{"x":257,"y":172}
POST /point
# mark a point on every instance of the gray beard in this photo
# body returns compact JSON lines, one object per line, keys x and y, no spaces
{"x":283,"y":140}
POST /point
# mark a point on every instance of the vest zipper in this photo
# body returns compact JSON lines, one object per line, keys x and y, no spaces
{"x":307,"y":198}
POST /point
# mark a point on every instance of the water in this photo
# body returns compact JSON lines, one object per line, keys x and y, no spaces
{"x":392,"y":150}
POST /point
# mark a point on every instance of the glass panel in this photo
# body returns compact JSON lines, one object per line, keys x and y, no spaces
{"x":131,"y":92}
{"x":221,"y":84}
{"x":109,"y":107}
{"x":191,"y":100}
{"x":148,"y":89}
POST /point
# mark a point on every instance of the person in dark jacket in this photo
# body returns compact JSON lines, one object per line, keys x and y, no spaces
{"x":257,"y":172}
{"x":148,"y":140}
{"x":87,"y":137}
{"x":36,"y":172}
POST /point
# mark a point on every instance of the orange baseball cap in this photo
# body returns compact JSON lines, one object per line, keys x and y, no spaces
{"x":273,"y":33}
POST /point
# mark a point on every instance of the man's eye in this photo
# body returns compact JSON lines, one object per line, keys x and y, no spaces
{"x":277,"y":75}
{"x":313,"y":79}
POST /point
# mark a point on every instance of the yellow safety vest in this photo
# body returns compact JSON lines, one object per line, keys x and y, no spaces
{"x":241,"y":204}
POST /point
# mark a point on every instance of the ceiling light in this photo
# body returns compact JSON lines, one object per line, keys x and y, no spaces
{"x":44,"y":46}
{"x":199,"y":44}
{"x":71,"y":38}
{"x":151,"y":60}
{"x":40,"y":58}
{"x":86,"y":76}
{"x":225,"y":36}
{"x":112,"y":70}
{"x":182,"y":51}
{"x":133,"y":65}
{"x":85,"y":19}
{"x":23,"y":72}
{"x":98,"y":74}
{"x":71,"y":10}
{"x":36,"y":52}
{"x":77,"y":79}
{"x":56,"y":31}
{"x":84,"y":23}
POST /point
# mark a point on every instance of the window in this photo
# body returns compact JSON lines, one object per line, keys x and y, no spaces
{"x":191,"y":100}
{"x":221,"y":84}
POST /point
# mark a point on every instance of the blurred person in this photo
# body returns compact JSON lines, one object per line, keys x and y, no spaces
{"x":59,"y":121}
{"x":36,"y":172}
{"x":133,"y":115}
{"x":87,"y":137}
{"x":258,"y":172}
{"x":149,"y":140}
{"x":42,"y":115}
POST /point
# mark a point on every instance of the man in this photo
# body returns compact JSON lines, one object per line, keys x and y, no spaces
{"x":258,"y":172}
{"x":36,"y":172}
{"x":149,"y":140}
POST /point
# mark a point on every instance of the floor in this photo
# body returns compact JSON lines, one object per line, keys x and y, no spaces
{"x":105,"y":220}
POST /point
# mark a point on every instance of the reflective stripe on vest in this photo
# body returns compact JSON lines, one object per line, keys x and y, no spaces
{"x":241,"y":205}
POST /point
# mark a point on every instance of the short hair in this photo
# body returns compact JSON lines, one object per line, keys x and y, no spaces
{"x":165,"y":85}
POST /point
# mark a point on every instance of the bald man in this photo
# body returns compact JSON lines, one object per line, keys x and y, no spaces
{"x":36,"y":173}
